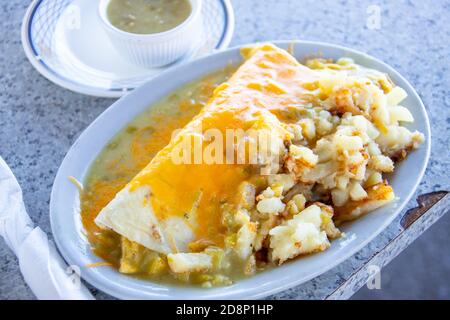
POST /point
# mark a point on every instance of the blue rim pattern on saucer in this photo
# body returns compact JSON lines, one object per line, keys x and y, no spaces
{"x":38,"y":39}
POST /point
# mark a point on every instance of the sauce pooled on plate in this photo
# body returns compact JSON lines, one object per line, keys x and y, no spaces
{"x":148,"y":16}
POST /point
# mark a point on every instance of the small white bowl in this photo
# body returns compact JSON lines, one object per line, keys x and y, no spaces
{"x":156,"y":49}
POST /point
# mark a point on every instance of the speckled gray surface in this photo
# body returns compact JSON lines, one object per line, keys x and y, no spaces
{"x":39,"y":120}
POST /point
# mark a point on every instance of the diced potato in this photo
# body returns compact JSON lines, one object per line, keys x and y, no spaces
{"x":355,"y":158}
{"x":246,"y":240}
{"x":303,"y":155}
{"x":291,"y":208}
{"x":373,"y":179}
{"x":357,"y":192}
{"x":217,"y":255}
{"x":399,"y":140}
{"x":320,"y":171}
{"x":326,"y":214}
{"x":399,"y":113}
{"x":359,"y":122}
{"x":310,"y":215}
{"x":300,"y":201}
{"x":381,"y":163}
{"x":221,"y":280}
{"x":339,"y":197}
{"x":324,"y":150}
{"x":372,"y":131}
{"x":286,"y":180}
{"x":379,"y":111}
{"x":373,"y":149}
{"x":308,"y":128}
{"x":342,"y":182}
{"x":344,"y":101}
{"x":250,"y":266}
{"x":138,"y":259}
{"x":189,"y":262}
{"x":268,"y":193}
{"x":329,"y":182}
{"x":417,"y":139}
{"x":277,"y":190}
{"x":209,"y":281}
{"x":246,"y":194}
{"x":348,"y":143}
{"x":158,"y":266}
{"x":377,"y":196}
{"x":296,"y":131}
{"x":241,"y":217}
{"x":323,"y":127}
{"x":132,"y":255}
{"x":396,"y":96}
{"x":270,"y":206}
{"x":263,"y":231}
{"x":299,"y":235}
{"x":295,"y":205}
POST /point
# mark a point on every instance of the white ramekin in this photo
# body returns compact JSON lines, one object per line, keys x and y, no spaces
{"x":157,"y":49}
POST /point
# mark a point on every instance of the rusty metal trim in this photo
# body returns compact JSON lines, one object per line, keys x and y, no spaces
{"x":425,"y":202}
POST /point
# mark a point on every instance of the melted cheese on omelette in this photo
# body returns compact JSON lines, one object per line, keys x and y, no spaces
{"x":167,"y":205}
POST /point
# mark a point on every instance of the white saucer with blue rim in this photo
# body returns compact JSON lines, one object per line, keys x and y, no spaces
{"x":64,"y":41}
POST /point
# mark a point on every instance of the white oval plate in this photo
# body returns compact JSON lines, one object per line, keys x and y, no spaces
{"x":64,"y":203}
{"x":65,"y":42}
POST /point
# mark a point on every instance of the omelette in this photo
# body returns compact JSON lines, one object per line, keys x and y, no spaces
{"x":153,"y":208}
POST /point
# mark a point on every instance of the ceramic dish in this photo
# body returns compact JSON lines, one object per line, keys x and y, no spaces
{"x":59,"y":36}
{"x":64,"y":205}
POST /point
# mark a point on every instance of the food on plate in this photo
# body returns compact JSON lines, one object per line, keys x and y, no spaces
{"x":148,"y":16}
{"x":305,"y":147}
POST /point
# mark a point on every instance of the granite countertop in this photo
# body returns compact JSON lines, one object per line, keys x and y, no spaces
{"x":39,"y":120}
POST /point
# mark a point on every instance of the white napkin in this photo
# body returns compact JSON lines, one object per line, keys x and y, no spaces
{"x":41,"y":266}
